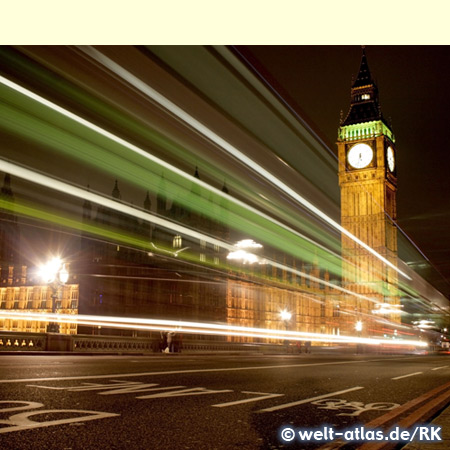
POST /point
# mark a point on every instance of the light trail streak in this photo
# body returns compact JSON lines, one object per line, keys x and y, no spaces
{"x":43,"y":180}
{"x":203,"y":328}
{"x":269,"y":229}
{"x":155,"y":219}
{"x":222,"y":143}
{"x":148,"y":156}
{"x":68,"y":189}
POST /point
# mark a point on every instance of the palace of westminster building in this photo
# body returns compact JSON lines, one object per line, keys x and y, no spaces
{"x":111,"y":279}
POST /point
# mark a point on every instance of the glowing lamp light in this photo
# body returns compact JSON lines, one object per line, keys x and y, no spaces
{"x":285,"y":315}
{"x":55,"y":274}
{"x":248,"y":243}
{"x":358,"y":326}
{"x":242,"y":255}
{"x":50,"y":271}
{"x":63,"y":274}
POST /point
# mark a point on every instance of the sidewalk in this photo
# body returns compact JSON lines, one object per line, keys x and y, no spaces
{"x":443,"y":420}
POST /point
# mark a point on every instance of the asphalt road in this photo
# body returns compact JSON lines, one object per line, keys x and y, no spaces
{"x":199,"y":401}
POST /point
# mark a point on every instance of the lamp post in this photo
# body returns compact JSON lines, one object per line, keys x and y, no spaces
{"x":358,"y":328}
{"x":286,"y":317}
{"x":55,"y":274}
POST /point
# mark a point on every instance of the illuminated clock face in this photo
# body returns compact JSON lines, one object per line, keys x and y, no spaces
{"x":390,"y":159}
{"x":360,"y":156}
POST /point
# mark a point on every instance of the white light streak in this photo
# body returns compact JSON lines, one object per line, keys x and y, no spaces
{"x":83,"y":194}
{"x":198,"y":126}
{"x":44,"y":180}
{"x":201,"y":328}
{"x":149,"y":157}
{"x":386,"y":308}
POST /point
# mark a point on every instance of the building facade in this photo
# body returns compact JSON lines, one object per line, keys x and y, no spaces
{"x":20,"y":291}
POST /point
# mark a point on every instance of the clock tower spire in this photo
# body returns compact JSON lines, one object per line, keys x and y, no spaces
{"x":368,"y":183}
{"x":364,"y":100}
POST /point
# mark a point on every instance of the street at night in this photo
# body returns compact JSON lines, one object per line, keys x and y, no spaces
{"x":218,"y":247}
{"x":202,"y":401}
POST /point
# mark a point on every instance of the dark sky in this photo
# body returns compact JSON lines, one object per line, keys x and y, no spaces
{"x":414,"y":94}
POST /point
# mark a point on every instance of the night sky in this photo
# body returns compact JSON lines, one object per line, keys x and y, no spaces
{"x":414,"y":95}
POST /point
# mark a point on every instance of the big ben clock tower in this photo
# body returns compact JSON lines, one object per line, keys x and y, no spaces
{"x":368,"y":182}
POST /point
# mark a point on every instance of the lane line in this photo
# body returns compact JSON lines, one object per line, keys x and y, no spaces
{"x":405,"y":376}
{"x":439,"y":368}
{"x":262,"y":396}
{"x":175,"y":372}
{"x":308,"y":400}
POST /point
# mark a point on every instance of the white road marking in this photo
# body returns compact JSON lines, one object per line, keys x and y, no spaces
{"x":21,"y":421}
{"x":439,"y":368}
{"x":138,"y":389}
{"x":28,"y":405}
{"x":264,"y":396}
{"x":309,"y":400}
{"x":47,"y":387}
{"x":185,"y":392}
{"x":405,"y":376}
{"x":118,"y":387}
{"x":90,"y":386}
{"x":175,"y":372}
{"x":357,"y":407}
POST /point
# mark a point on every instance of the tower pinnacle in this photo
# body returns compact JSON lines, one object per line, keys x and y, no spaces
{"x":364,"y":103}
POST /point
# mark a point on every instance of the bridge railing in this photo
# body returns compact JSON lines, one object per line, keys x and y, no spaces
{"x":11,"y":341}
{"x":19,"y":341}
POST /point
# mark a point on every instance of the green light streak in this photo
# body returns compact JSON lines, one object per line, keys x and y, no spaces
{"x":120,"y":238}
{"x":95,"y":150}
{"x":146,"y":133}
{"x":22,"y":116}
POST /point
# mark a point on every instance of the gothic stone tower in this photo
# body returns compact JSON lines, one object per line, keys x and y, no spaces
{"x":368,"y":183}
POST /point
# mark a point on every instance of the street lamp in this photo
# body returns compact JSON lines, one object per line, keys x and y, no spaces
{"x":55,"y":274}
{"x":358,"y":328}
{"x":286,"y":317}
